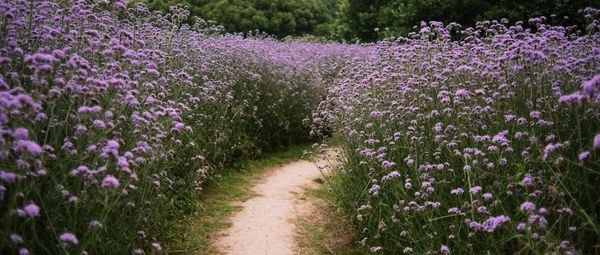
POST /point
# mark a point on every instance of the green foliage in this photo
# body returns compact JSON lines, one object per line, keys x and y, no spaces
{"x":280,"y":18}
{"x":367,"y":20}
{"x":363,"y":17}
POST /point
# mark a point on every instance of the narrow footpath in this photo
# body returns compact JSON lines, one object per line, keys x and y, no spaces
{"x":266,"y":225}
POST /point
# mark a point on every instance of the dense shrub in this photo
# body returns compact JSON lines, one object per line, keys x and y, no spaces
{"x":488,"y":145}
{"x":111,"y":118}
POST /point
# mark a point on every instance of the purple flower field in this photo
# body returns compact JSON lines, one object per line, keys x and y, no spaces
{"x":112,"y":117}
{"x":485,"y":145}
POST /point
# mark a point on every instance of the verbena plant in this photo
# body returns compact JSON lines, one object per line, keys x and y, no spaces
{"x":486,"y":145}
{"x":112,"y":117}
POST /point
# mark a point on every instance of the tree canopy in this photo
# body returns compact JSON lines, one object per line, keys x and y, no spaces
{"x":275,"y":17}
{"x":367,"y":20}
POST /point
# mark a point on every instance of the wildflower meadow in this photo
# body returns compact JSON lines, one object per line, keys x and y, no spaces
{"x":485,"y":145}
{"x":481,"y":140}
{"x":113,"y":117}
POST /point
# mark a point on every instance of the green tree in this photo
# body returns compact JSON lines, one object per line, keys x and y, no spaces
{"x":363,"y":17}
{"x":276,"y":17}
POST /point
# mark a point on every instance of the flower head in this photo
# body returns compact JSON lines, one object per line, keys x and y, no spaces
{"x":68,"y":237}
{"x":32,"y":210}
{"x":527,"y":206}
{"x":110,"y":182}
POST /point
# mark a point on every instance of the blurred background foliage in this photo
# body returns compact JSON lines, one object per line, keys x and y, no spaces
{"x":367,"y":20}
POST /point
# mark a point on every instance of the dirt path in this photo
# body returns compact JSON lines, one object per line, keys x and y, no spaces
{"x":266,"y":224}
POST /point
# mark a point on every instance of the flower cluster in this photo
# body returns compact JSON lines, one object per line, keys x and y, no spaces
{"x":111,"y":117}
{"x":491,"y":134}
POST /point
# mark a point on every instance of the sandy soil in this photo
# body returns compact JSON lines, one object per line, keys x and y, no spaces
{"x":266,"y":225}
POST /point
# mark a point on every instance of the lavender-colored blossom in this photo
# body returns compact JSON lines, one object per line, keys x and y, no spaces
{"x":95,"y":224}
{"x":68,"y":237}
{"x":494,"y":222}
{"x":16,"y":238}
{"x":32,"y":210}
{"x":376,"y":249}
{"x":8,"y":177}
{"x":527,"y":206}
{"x":21,"y":134}
{"x":445,"y":249}
{"x":457,"y":191}
{"x":592,"y":87}
{"x":527,"y":180}
{"x":110,"y":182}
{"x":475,"y":190}
{"x":30,"y":146}
{"x":584,"y":155}
{"x":374,"y":190}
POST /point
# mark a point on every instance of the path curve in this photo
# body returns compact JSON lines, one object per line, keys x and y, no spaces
{"x":266,"y":224}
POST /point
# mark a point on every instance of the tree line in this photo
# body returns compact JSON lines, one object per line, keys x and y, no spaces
{"x":368,"y":20}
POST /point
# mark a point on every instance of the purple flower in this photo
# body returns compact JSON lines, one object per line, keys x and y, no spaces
{"x":550,"y":147}
{"x":99,"y":124}
{"x":374,"y":190}
{"x":475,"y":190}
{"x":573,"y":98}
{"x":592,"y":86}
{"x":156,"y":246}
{"x":21,"y":134}
{"x":32,"y":147}
{"x":95,"y":224}
{"x":534,"y":114}
{"x":110,"y":182}
{"x":32,"y":210}
{"x":527,"y":206}
{"x":521,"y":226}
{"x":487,"y":196}
{"x":597,"y":141}
{"x":23,"y":251}
{"x":584,"y":155}
{"x":111,"y":148}
{"x":16,"y":238}
{"x":542,"y":222}
{"x":493,"y":222}
{"x":527,"y":180}
{"x":387,"y":164}
{"x":445,"y":249}
{"x":8,"y":176}
{"x":376,"y":249}
{"x":457,"y":191}
{"x":407,"y":250}
{"x":68,"y":237}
